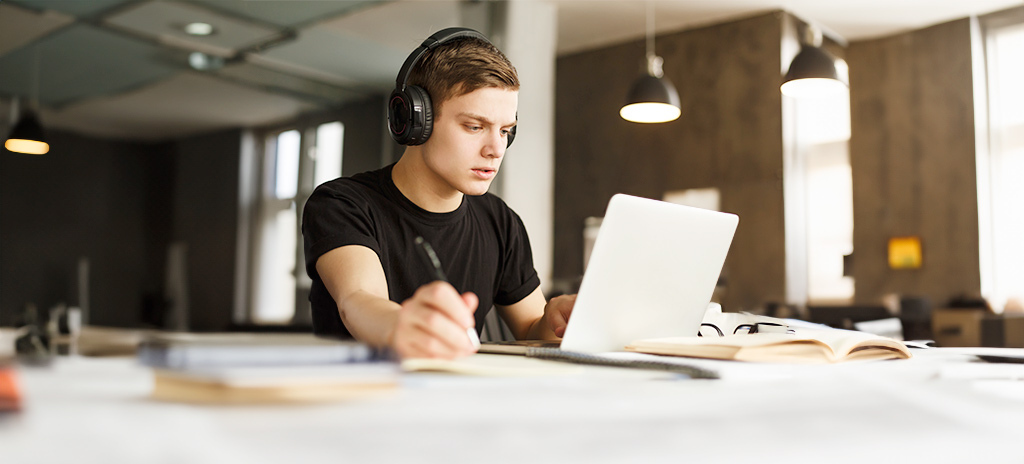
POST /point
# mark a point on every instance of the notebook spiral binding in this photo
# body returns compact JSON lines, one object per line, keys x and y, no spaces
{"x":555,"y":354}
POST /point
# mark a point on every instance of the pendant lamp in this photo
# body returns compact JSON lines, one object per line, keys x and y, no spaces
{"x":27,"y":135}
{"x":813,"y":72}
{"x":652,"y":98}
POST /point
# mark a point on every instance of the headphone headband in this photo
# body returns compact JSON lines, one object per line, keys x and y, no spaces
{"x":430,"y":43}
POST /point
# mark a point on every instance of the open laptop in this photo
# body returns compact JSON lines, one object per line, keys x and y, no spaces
{"x":651,"y":273}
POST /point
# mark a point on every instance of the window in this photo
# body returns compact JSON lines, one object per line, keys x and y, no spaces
{"x":1000,"y":191}
{"x":296,"y":161}
{"x":818,"y":200}
{"x":829,"y":221}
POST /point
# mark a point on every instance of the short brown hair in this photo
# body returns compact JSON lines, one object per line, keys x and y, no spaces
{"x":460,"y":67}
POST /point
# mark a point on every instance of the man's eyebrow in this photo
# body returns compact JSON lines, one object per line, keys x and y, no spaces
{"x":483,"y":119}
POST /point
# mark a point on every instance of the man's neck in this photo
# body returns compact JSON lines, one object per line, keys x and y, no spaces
{"x":423,"y":186}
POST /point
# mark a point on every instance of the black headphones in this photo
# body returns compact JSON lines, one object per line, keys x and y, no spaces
{"x":410,"y":111}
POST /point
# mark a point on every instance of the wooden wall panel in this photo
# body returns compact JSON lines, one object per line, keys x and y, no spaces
{"x":913,"y":156}
{"x":729,"y":136}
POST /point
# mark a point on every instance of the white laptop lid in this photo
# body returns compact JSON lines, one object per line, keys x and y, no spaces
{"x":651,"y":273}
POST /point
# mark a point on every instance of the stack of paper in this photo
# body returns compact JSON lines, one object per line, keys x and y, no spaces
{"x":262,"y":368}
{"x":211,"y":350}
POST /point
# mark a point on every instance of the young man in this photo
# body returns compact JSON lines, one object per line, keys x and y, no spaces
{"x":369,"y":280}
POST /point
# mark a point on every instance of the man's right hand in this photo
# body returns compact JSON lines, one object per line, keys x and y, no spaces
{"x":433,"y":323}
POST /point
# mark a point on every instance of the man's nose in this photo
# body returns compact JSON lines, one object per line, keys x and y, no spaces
{"x":496,"y":144}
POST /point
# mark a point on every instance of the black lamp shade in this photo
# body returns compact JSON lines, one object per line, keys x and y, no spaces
{"x":28,"y":128}
{"x":813,"y":72}
{"x":651,"y":100}
{"x":650,"y":89}
{"x":27,"y":136}
{"x":812,"y":63}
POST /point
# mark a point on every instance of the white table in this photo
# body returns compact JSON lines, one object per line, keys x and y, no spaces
{"x":934,"y":408}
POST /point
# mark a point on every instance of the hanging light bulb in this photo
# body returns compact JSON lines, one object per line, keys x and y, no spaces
{"x":652,"y":98}
{"x":814,"y":72}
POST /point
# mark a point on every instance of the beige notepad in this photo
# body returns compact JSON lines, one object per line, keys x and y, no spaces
{"x":491,"y":365}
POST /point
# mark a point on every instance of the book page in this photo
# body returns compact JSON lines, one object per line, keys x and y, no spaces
{"x":762,"y":347}
{"x":790,"y":351}
{"x":802,"y":347}
{"x":846,"y":342}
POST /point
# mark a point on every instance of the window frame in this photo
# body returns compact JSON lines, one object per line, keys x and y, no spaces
{"x":265,"y":202}
{"x":987,"y":147}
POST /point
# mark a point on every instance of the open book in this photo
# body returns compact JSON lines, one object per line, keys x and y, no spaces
{"x":805,"y":346}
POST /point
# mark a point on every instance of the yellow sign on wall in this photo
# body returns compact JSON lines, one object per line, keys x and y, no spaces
{"x":905,"y":252}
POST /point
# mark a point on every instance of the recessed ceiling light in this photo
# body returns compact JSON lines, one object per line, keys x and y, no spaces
{"x":198,"y":29}
{"x":202,"y":62}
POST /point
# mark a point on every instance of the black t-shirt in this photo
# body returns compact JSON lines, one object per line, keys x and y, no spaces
{"x":482,"y":245}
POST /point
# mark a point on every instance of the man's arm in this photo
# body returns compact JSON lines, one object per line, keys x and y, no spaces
{"x":533,"y":318}
{"x":430,"y":324}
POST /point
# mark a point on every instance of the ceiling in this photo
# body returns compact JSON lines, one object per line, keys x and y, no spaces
{"x":121,"y":68}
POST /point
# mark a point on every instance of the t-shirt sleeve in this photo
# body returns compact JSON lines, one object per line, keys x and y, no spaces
{"x":518,"y":278}
{"x":334,"y":217}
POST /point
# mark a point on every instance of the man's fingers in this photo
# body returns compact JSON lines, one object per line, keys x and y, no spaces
{"x":559,"y":312}
{"x":565,"y":309}
{"x":437,"y":325}
{"x":558,"y":325}
{"x":423,"y":333}
{"x":472,"y":301}
{"x":434,"y":322}
{"x":441,"y":296}
{"x":419,"y":344}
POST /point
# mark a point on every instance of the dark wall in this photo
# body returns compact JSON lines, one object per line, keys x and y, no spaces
{"x":365,"y":132}
{"x":122,"y":204}
{"x":729,"y":136}
{"x":205,"y":217}
{"x":102,"y":200}
{"x":913,"y":157}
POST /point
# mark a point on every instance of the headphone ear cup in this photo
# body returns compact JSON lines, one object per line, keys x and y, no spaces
{"x":511,"y":136}
{"x":410,"y":115}
{"x":423,"y":114}
{"x":399,"y":117}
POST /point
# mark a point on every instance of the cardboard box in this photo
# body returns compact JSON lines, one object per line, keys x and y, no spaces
{"x":958,"y":326}
{"x":1003,"y":331}
{"x":1013,"y":331}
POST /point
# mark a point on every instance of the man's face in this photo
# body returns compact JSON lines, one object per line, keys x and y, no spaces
{"x":469,"y":138}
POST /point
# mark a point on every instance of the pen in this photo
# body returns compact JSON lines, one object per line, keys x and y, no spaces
{"x":428,"y":253}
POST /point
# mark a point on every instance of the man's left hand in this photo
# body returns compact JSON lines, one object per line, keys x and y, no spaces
{"x":557,"y":312}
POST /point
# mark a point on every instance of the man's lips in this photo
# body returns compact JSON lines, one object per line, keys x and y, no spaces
{"x":485,"y":173}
